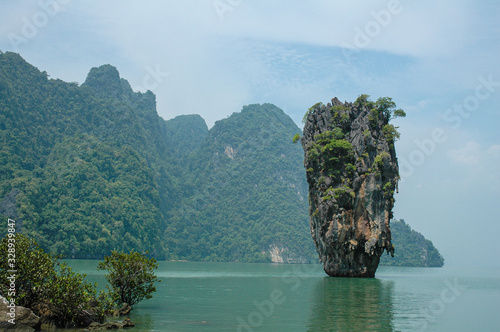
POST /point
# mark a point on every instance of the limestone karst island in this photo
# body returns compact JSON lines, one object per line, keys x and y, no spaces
{"x":352,"y":172}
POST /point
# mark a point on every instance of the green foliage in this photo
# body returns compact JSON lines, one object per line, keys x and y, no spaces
{"x":390,"y":133}
{"x":37,"y":269}
{"x":385,"y":106}
{"x":350,"y":168}
{"x":329,"y":194}
{"x":131,"y":276}
{"x":337,"y":192}
{"x":296,"y":138}
{"x":98,"y":170}
{"x":68,"y":294}
{"x":89,"y":162}
{"x":326,"y":136}
{"x":379,"y":160}
{"x":399,"y":113}
{"x":337,"y":150}
{"x":315,"y":106}
{"x":373,"y":117}
{"x":363,"y":100}
{"x":100,"y":196}
{"x":310,"y":110}
{"x":340,"y":191}
{"x":241,"y":207}
{"x":383,"y":110}
{"x":389,"y":189}
{"x":338,"y":109}
{"x":344,"y":118}
{"x":312,"y":153}
{"x":411,"y":248}
{"x":52,"y":290}
{"x":183,"y":134}
{"x":332,"y":154}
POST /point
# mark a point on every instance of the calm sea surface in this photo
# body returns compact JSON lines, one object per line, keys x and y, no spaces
{"x":272,"y":297}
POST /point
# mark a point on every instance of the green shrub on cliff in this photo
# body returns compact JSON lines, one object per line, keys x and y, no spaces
{"x":363,"y":100}
{"x":387,"y":108}
{"x":310,"y":110}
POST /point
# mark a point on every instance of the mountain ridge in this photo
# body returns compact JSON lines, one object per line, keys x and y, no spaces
{"x":94,"y":167}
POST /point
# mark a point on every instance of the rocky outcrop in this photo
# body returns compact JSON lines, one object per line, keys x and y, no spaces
{"x":123,"y":311}
{"x":110,"y":325}
{"x":281,"y":254}
{"x":18,"y":318}
{"x":352,"y":172}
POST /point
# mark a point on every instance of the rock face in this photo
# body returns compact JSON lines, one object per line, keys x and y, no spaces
{"x":123,"y":311}
{"x":352,"y":173}
{"x":25,"y":319}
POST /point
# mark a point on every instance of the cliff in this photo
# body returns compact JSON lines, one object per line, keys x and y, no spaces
{"x":352,"y":172}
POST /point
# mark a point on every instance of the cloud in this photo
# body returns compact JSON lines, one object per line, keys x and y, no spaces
{"x":328,"y":23}
{"x":494,"y":151}
{"x":469,"y":155}
{"x":476,"y":166}
{"x":286,"y":52}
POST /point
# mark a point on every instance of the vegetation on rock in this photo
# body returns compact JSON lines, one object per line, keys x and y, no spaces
{"x":411,"y":248}
{"x":51,"y":289}
{"x":61,"y":296}
{"x":352,"y":172}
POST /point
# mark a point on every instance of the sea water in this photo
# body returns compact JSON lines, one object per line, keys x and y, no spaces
{"x":277,"y":297}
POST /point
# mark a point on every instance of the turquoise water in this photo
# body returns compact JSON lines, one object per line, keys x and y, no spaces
{"x":274,"y":297}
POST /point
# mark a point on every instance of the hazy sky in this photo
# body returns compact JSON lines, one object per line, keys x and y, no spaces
{"x":438,"y":60}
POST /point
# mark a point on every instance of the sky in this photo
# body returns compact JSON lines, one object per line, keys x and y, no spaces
{"x":439,"y":61}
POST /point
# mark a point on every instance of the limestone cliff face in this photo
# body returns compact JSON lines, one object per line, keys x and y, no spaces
{"x":352,"y":173}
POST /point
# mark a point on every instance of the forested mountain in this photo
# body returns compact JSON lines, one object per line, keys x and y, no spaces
{"x":90,"y":168}
{"x":87,"y":161}
{"x":411,"y":248}
{"x":247,"y":192}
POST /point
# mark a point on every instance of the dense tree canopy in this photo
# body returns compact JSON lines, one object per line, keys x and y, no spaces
{"x":411,"y":248}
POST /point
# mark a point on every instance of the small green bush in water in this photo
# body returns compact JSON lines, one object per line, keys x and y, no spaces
{"x":131,"y":276}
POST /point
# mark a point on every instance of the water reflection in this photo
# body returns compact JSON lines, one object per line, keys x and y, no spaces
{"x":351,"y":304}
{"x":143,"y":321}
